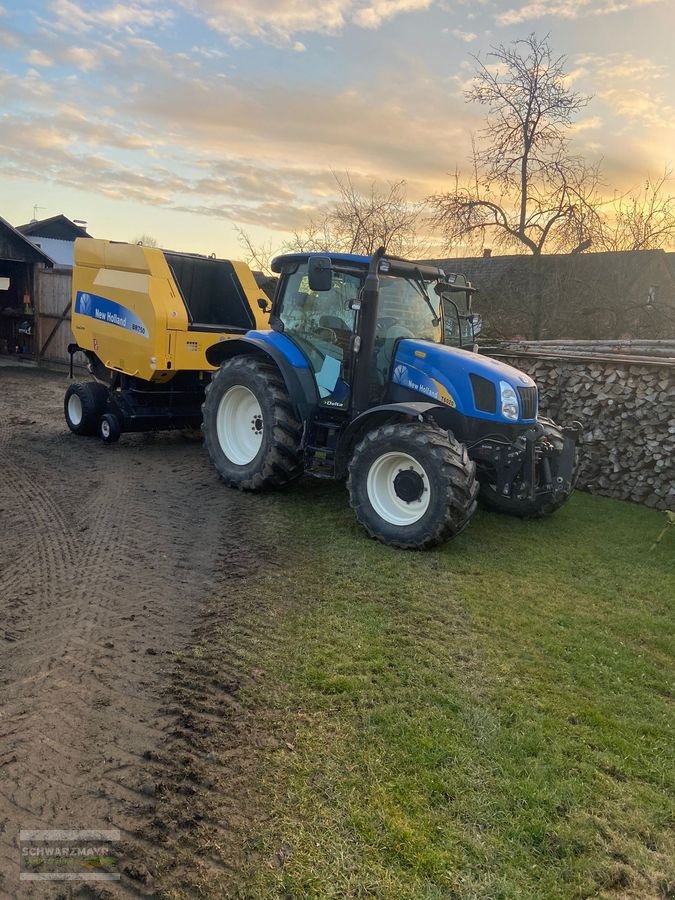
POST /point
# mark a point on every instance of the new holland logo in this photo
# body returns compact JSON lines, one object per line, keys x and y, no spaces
{"x":401,"y":374}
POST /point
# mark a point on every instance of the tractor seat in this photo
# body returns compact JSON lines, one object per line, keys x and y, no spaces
{"x":386,"y":349}
{"x":334,"y":322}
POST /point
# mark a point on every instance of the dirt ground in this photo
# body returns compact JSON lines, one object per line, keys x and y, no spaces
{"x":110,"y":557}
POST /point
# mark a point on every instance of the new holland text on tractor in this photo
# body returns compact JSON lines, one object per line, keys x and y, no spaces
{"x":366,"y":372}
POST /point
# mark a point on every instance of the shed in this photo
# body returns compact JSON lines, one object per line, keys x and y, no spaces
{"x":20,"y":264}
{"x":55,"y":237}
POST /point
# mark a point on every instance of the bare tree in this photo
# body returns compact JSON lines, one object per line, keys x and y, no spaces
{"x":360,"y":221}
{"x":640,"y":220}
{"x":147,"y":240}
{"x":528,"y":191}
{"x":356,"y":222}
{"x":258,"y":256}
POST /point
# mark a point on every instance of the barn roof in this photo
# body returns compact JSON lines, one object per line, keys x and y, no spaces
{"x":14,"y":246}
{"x":60,"y":228}
{"x":493,"y":270}
{"x":584,"y":295}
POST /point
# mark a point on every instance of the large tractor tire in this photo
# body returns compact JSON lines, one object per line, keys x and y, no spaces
{"x":83,"y":406}
{"x":544,"y":504}
{"x":412,"y":486}
{"x":251,"y":430}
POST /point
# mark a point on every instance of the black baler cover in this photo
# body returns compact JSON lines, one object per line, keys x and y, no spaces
{"x":212,"y":292}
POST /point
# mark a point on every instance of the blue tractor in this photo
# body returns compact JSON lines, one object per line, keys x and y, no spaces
{"x":369,"y":373}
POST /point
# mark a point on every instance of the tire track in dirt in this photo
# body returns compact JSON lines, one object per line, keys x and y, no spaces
{"x":111,"y":556}
{"x":209,"y":795}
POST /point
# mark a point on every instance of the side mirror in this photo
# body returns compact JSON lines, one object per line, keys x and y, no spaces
{"x":320,"y":273}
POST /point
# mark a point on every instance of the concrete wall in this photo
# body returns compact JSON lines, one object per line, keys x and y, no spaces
{"x":627,"y":409}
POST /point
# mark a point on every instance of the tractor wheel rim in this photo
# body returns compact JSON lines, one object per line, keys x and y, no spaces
{"x":105,"y":428}
{"x":239,"y":424}
{"x":387,"y":477}
{"x":74,"y":409}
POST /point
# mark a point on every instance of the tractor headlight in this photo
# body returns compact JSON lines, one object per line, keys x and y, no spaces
{"x":509,"y":398}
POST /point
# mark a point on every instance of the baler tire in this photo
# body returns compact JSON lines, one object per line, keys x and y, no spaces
{"x":279,"y":459}
{"x":445,"y":470}
{"x":109,"y":428}
{"x":83,"y":406}
{"x":542,"y":505}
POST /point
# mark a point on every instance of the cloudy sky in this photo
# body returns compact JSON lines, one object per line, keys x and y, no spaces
{"x":182,"y":118}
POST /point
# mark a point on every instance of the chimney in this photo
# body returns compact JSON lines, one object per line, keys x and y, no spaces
{"x":487,"y":253}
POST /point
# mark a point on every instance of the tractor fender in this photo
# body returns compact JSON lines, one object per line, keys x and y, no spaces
{"x":375,"y":416}
{"x":299,"y":381}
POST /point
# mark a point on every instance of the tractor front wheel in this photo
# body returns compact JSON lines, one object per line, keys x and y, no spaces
{"x":251,"y":430}
{"x":412,"y":485}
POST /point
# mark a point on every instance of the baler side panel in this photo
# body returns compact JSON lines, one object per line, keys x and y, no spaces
{"x":129,"y":311}
{"x":122,"y":302}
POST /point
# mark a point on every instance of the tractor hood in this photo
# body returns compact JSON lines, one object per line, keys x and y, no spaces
{"x":474,"y":385}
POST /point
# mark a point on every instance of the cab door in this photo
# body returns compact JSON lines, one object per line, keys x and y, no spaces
{"x":322,"y":325}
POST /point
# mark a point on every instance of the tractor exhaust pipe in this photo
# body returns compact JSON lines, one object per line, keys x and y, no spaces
{"x":365,"y":340}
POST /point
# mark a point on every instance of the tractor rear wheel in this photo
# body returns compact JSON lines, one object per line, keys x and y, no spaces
{"x":412,"y":485}
{"x":251,"y":430}
{"x":543,"y":504}
{"x":83,"y":406}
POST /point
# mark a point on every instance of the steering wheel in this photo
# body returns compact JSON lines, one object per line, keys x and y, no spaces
{"x":326,"y":334}
{"x":385,"y":323}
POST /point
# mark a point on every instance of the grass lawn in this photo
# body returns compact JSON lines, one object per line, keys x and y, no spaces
{"x":490,"y":720}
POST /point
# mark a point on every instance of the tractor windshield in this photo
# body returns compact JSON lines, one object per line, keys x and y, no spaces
{"x":328,"y":316}
{"x":405,"y":310}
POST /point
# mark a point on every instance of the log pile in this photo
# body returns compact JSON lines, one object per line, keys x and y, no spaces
{"x":624,"y":399}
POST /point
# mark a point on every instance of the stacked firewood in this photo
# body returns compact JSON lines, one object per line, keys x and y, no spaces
{"x":624,"y":396}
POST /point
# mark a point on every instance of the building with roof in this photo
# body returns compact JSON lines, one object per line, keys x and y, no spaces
{"x":58,"y":228}
{"x":626,"y":294}
{"x":54,"y":238}
{"x":20,"y":265}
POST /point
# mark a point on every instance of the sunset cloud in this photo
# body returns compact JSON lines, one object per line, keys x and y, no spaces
{"x":466,"y":36}
{"x":239,"y":111}
{"x":280,"y":20}
{"x":375,"y":13}
{"x":40,"y":59}
{"x":635,"y":87}
{"x":568,"y":9}
{"x":71,"y":16}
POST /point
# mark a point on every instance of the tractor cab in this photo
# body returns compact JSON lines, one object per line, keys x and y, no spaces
{"x":319,"y":305}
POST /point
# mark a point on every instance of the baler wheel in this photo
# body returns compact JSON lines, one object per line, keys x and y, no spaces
{"x":83,"y":406}
{"x":109,"y":428}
